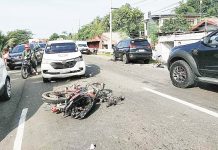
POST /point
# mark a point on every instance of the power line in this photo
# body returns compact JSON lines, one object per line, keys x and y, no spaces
{"x":139,"y":2}
{"x":167,"y":7}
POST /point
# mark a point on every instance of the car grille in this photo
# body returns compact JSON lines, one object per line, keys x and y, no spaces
{"x":63,"y":65}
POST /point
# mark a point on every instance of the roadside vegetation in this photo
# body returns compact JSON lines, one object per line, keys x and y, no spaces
{"x":191,"y":7}
{"x":13,"y":38}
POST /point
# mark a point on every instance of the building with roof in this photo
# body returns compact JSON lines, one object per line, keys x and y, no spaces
{"x":102,"y":41}
{"x":206,"y":25}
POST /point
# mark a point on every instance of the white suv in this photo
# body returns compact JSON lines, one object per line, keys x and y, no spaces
{"x":62,"y":59}
{"x":5,"y":85}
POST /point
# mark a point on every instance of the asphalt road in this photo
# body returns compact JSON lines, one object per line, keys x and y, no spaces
{"x":155,"y":115}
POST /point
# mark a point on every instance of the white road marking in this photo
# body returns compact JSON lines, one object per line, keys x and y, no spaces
{"x":20,"y":130}
{"x":201,"y":109}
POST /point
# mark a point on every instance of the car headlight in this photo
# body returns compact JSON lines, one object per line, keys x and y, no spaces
{"x":80,"y":58}
{"x":46,"y":61}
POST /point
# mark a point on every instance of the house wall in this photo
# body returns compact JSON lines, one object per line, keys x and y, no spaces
{"x":208,"y":28}
{"x":166,"y":43}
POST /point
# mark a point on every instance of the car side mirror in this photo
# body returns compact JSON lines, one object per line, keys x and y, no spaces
{"x":206,"y":40}
{"x":114,"y":48}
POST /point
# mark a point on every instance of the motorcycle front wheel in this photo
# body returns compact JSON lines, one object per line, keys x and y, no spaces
{"x":24,"y":73}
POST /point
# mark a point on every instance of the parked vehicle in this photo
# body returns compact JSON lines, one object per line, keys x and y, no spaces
{"x":15,"y":57}
{"x":133,"y":49}
{"x":62,"y":59}
{"x":26,"y":68}
{"x":195,"y":62}
{"x":83,"y":47}
{"x":42,"y":45}
{"x":38,"y":50}
{"x":5,"y":84}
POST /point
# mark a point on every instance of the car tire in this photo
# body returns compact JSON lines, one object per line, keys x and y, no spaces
{"x":182,"y":75}
{"x":7,"y":90}
{"x":45,"y":80}
{"x":114,"y":57}
{"x":146,"y":61}
{"x":125,"y":59}
{"x":49,"y":97}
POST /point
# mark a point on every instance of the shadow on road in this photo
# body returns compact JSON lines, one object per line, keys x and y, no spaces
{"x":31,"y":98}
{"x":209,"y":87}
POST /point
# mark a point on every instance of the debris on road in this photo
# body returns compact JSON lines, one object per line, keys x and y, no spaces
{"x":92,"y":147}
{"x":78,"y":101}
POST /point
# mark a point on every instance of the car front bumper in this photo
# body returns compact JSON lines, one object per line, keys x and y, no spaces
{"x":140,"y":56}
{"x":49,"y":72}
{"x":85,"y":51}
{"x":14,"y":63}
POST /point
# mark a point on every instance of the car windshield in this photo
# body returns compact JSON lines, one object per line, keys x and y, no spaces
{"x":18,"y":49}
{"x":140,"y":43}
{"x":60,"y":48}
{"x":42,"y":45}
{"x":82,"y":45}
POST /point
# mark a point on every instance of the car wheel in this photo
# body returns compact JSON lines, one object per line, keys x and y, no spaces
{"x":125,"y":59}
{"x":45,"y":80}
{"x":146,"y":61}
{"x":181,"y":74}
{"x":7,"y":90}
{"x":114,"y":57}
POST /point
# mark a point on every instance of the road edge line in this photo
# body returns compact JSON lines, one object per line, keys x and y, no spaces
{"x":201,"y":109}
{"x":20,"y":130}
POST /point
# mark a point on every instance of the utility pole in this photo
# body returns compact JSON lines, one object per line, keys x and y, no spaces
{"x":110,"y":44}
{"x":201,"y":9}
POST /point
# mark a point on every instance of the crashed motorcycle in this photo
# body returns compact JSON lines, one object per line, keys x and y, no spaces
{"x":26,"y":69}
{"x":78,"y":101}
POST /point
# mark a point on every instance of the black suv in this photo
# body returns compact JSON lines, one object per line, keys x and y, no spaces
{"x":133,"y":49}
{"x":195,"y":62}
{"x":15,"y":56}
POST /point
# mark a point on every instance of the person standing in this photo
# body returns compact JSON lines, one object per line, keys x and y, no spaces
{"x":5,"y":55}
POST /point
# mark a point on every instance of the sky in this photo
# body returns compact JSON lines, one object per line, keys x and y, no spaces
{"x":44,"y":17}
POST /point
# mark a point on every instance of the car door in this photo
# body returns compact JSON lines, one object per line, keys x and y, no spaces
{"x":126,"y":46}
{"x":115,"y":48}
{"x":207,"y":57}
{"x":119,"y":49}
{"x":1,"y":72}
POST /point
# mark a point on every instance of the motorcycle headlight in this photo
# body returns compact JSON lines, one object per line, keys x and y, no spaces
{"x":80,"y":58}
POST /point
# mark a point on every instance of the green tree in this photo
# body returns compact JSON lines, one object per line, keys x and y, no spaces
{"x":178,"y":24}
{"x":90,"y":30}
{"x":125,"y":19}
{"x":128,"y":20}
{"x":153,"y":32}
{"x":3,"y":41}
{"x":19,"y":36}
{"x":54,"y":36}
{"x":209,"y":7}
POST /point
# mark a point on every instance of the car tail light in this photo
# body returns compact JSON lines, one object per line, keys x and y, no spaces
{"x":148,"y":46}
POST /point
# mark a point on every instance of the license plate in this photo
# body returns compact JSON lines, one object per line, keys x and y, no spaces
{"x":141,"y":50}
{"x":64,"y":71}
